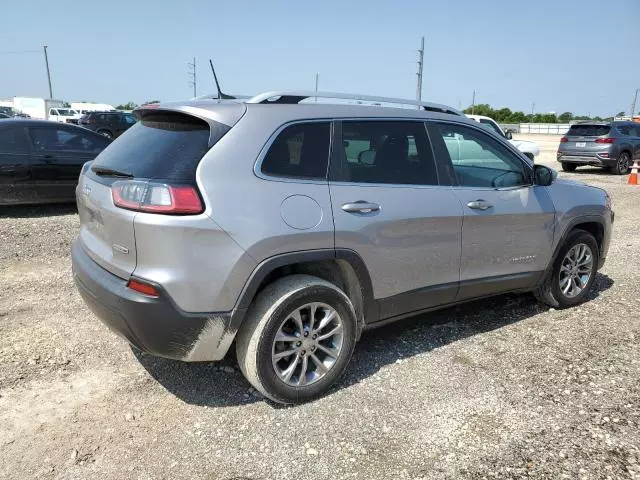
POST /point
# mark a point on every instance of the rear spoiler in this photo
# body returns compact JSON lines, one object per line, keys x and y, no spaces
{"x":218,"y":116}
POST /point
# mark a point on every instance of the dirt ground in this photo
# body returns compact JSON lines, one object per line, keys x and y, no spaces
{"x":502,"y":388}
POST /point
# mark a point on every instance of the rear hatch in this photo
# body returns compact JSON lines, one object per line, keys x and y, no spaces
{"x":582,"y":138}
{"x":141,"y":171}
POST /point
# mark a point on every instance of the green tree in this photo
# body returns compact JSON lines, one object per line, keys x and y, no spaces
{"x":620,"y":114}
{"x":151,"y":102}
{"x":518,"y":117}
{"x":66,"y":104}
{"x":565,"y":117}
{"x":127,"y":106}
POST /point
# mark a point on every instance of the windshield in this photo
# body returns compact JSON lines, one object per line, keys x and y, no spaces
{"x":491,"y":126}
{"x":65,"y":112}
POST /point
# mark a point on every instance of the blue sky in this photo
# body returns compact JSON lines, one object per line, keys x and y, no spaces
{"x":580,"y":56}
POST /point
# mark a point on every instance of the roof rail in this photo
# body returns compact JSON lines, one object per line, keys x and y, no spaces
{"x":296,"y":96}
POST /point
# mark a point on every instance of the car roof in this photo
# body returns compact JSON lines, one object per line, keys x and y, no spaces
{"x":27,"y":122}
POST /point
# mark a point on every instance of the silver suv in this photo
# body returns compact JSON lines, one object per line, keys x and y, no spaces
{"x":613,"y":145}
{"x":291,"y":226}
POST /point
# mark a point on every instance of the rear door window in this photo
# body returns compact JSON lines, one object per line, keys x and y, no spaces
{"x":588,"y":130}
{"x":60,"y":139}
{"x":385,"y":152}
{"x":299,"y":151}
{"x":162,"y":146}
{"x":12,"y":141}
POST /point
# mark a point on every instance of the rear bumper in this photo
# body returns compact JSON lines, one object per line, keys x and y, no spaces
{"x":153,"y":325}
{"x":594,"y":158}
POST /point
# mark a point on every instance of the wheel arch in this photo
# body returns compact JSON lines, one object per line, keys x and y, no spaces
{"x":341,"y":267}
{"x":592,"y":224}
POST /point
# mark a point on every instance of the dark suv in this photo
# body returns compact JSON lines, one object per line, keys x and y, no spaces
{"x":110,"y":124}
{"x":613,"y":145}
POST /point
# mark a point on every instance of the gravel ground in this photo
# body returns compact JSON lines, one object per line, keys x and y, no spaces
{"x":503,"y":388}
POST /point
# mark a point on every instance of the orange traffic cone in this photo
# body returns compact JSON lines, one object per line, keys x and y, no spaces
{"x":633,"y":178}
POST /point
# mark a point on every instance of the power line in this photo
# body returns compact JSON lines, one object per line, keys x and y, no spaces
{"x":19,"y":52}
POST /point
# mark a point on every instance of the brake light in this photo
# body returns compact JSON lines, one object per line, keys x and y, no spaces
{"x":564,"y":140}
{"x":605,"y":140}
{"x":143,"y":287}
{"x":156,"y":197}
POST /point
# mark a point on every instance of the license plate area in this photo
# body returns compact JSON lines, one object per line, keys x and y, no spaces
{"x":581,"y":144}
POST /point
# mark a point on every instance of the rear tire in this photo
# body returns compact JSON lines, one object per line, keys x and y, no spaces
{"x":568,"y":167}
{"x":623,"y":164}
{"x":273,"y":318}
{"x":106,"y":133}
{"x":552,"y":291}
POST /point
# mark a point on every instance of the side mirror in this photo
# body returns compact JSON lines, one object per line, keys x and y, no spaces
{"x":508,"y":134}
{"x":544,"y":175}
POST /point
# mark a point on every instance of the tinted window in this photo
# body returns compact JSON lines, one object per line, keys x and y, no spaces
{"x":299,"y":151}
{"x":386,"y":152}
{"x":162,"y":146}
{"x":624,"y":130}
{"x":491,"y":126}
{"x":481,"y":161}
{"x":64,"y":139}
{"x":129,"y":119}
{"x":589,"y":130}
{"x":12,"y":141}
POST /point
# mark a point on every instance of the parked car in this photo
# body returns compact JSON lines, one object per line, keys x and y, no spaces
{"x":530,"y":149}
{"x":291,"y":228}
{"x":40,"y":161}
{"x":63,"y":115}
{"x":612,"y":145}
{"x":110,"y":124}
{"x":4,"y":115}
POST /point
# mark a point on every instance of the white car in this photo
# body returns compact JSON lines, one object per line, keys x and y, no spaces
{"x":530,"y":149}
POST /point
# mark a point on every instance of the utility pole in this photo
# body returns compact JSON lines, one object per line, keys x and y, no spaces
{"x":533,"y":107}
{"x":317,"y":76}
{"x":420,"y":68}
{"x":473,"y":103}
{"x":633,"y":105}
{"x":192,"y":75}
{"x":46,"y":61}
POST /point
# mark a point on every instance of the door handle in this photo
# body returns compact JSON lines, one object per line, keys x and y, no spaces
{"x":360,"y":207}
{"x":479,"y":205}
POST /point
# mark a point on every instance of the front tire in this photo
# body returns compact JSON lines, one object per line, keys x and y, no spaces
{"x":297,"y":338}
{"x":568,"y":167}
{"x":573,"y":273}
{"x":106,"y":133}
{"x":623,"y":164}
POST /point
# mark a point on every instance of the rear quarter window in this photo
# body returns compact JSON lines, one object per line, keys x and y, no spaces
{"x":299,"y":151}
{"x":162,"y":146}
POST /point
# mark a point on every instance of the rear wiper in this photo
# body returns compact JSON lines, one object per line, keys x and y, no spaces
{"x":109,"y":172}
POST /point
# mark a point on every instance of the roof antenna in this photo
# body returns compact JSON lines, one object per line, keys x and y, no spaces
{"x":215,"y":77}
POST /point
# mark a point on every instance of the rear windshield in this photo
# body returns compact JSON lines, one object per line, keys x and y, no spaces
{"x":162,"y":146}
{"x":589,"y":130}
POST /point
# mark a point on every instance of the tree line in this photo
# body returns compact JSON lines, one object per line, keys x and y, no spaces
{"x":505,"y":115}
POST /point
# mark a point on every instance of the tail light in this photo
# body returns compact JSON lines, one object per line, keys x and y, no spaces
{"x":605,"y":140}
{"x":564,"y":140}
{"x":156,"y":197}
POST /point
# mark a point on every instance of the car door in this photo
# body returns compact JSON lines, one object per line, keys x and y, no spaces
{"x":15,"y":176}
{"x":508,"y":223}
{"x":389,"y":208}
{"x":57,"y":156}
